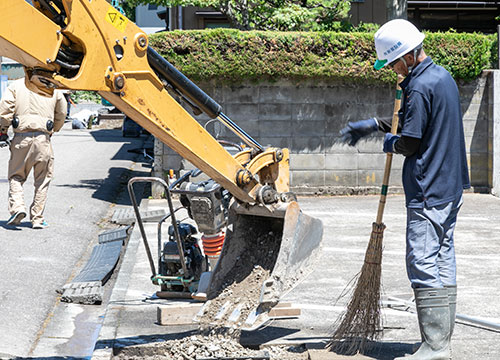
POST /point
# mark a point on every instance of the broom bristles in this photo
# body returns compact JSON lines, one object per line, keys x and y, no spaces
{"x":361,"y":322}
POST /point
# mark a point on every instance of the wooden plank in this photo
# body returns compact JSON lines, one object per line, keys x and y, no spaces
{"x":284,"y":312}
{"x":177,"y":314}
{"x":282,"y":305}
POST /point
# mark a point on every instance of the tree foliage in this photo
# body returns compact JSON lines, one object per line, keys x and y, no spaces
{"x":282,"y":15}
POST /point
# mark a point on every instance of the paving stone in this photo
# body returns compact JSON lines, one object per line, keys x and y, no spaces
{"x":126,"y":216}
{"x":114,"y":235}
{"x":87,"y":293}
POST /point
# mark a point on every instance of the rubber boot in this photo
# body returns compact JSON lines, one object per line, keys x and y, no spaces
{"x":434,"y":321}
{"x":452,"y":299}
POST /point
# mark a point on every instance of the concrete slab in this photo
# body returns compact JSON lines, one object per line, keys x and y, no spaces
{"x":131,"y":317}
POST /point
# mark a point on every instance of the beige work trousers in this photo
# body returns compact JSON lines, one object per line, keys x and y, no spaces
{"x":30,"y":152}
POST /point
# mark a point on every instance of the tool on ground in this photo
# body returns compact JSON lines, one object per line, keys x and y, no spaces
{"x":89,"y":45}
{"x":361,"y":321}
{"x":397,"y":303}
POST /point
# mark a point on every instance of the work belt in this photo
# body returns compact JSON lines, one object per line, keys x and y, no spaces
{"x":31,"y":133}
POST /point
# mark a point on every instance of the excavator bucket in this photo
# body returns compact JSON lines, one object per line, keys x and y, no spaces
{"x":272,"y":253}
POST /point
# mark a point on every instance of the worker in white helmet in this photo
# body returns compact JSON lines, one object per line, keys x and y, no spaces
{"x":435,"y":172}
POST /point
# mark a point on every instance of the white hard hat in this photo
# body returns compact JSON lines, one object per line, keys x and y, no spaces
{"x":394,"y":39}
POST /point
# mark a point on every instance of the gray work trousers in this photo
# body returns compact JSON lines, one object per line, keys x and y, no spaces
{"x":430,"y":248}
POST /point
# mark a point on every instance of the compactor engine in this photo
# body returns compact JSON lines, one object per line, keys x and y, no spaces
{"x":170,"y":258}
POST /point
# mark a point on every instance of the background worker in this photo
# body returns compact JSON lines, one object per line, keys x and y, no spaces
{"x":434,"y":176}
{"x":34,"y":118}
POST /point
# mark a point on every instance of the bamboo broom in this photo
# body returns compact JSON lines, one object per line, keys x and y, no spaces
{"x":361,"y":322}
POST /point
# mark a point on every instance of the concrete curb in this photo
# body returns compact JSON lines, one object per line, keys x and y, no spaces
{"x":107,"y":335}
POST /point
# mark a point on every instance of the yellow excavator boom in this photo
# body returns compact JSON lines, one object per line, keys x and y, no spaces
{"x":89,"y":45}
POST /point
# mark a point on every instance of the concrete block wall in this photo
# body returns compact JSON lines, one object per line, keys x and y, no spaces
{"x":475,"y":101}
{"x":494,"y":131}
{"x":306,"y":117}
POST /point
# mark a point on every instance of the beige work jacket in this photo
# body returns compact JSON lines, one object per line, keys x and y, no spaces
{"x":33,"y":111}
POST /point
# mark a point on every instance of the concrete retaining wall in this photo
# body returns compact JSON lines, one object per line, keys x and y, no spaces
{"x":306,"y":118}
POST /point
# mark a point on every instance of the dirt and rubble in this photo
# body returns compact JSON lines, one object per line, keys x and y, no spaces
{"x":242,"y":286}
{"x":245,"y":293}
{"x":211,"y":347}
{"x":217,"y":338}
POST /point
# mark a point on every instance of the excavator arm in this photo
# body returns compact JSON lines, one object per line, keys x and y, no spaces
{"x":89,"y":45}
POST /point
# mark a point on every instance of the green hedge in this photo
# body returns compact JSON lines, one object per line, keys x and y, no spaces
{"x":232,"y":56}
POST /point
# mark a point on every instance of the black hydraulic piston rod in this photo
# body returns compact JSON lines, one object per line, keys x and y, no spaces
{"x":240,"y":132}
{"x":195,"y":95}
{"x":182,"y":84}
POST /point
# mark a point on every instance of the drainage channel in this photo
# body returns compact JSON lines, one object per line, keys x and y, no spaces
{"x":72,"y":329}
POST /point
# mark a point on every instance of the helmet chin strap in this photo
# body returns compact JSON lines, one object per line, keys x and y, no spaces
{"x":416,"y":52}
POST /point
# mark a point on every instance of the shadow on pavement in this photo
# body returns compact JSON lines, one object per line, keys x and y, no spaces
{"x":252,"y":339}
{"x":383,"y":350}
{"x":142,"y":146}
{"x":110,"y":188}
{"x":24,"y":224}
{"x":108,"y":135}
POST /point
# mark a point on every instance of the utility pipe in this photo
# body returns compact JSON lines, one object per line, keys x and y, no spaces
{"x":470,"y":319}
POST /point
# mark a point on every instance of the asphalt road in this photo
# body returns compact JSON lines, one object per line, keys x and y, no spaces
{"x":90,"y":166}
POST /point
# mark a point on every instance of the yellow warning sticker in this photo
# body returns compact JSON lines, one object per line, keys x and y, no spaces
{"x":115,"y":18}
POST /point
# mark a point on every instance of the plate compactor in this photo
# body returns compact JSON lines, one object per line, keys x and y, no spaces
{"x":200,"y":255}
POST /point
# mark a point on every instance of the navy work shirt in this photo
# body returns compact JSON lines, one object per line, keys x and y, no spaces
{"x":437,"y":173}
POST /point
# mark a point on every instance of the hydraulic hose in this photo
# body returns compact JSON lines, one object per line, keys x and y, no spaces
{"x":182,"y":84}
{"x":196,"y":96}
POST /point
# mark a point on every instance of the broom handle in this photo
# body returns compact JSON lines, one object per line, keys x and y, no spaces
{"x":388,"y":160}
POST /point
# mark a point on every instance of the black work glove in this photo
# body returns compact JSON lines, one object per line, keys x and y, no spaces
{"x":355,"y":130}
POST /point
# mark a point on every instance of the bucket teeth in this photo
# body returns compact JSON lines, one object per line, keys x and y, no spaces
{"x":223,"y":310}
{"x":235,"y":315}
{"x":228,"y":316}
